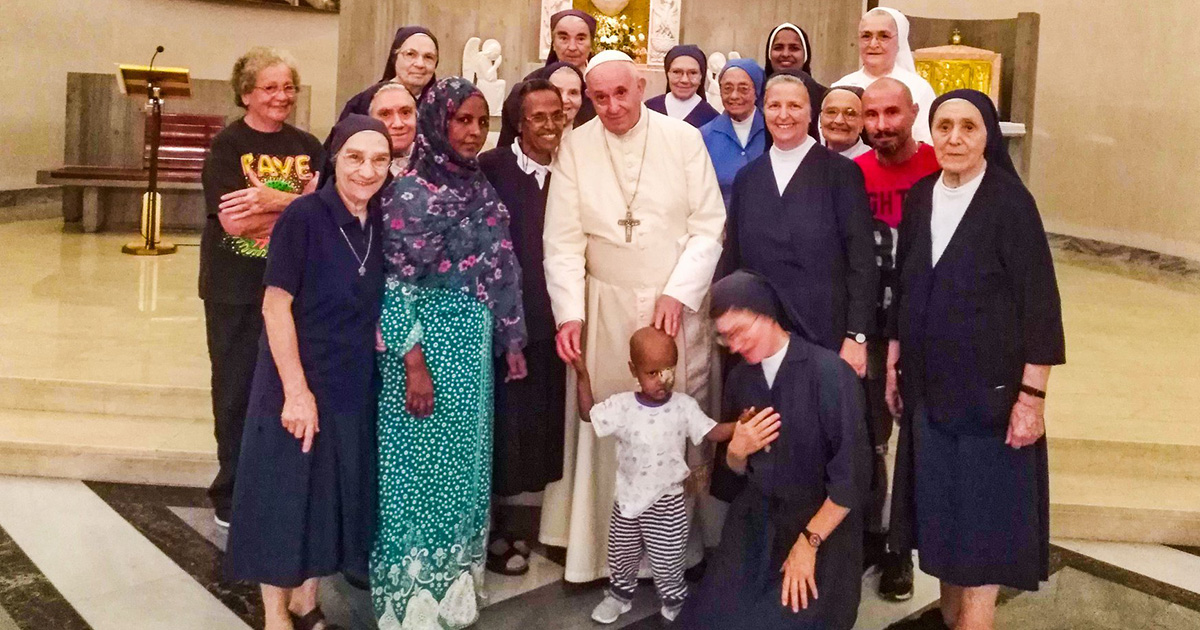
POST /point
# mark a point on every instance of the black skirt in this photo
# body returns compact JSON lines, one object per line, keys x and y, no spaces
{"x":530,"y":422}
{"x":982,"y":508}
{"x":742,"y":587}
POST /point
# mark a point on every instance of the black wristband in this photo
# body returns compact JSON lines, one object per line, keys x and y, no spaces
{"x":1033,"y":391}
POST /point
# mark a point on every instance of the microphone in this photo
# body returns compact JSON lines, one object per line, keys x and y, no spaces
{"x":156,"y":51}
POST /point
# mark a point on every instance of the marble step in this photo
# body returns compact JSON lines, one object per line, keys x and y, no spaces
{"x":127,"y":449}
{"x":1116,"y":507}
{"x":1125,"y":491}
{"x":88,"y":397}
{"x":1165,"y":460}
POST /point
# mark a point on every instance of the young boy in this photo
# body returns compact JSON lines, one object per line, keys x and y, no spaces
{"x":652,"y":427}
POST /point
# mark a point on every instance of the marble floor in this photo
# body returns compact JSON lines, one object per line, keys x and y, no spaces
{"x":85,"y":555}
{"x":102,"y":357}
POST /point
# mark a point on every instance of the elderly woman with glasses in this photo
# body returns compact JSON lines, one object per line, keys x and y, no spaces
{"x":687,"y":72}
{"x":305,"y":499}
{"x":257,"y":166}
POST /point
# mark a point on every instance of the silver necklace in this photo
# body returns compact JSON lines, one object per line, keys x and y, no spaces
{"x":362,"y":262}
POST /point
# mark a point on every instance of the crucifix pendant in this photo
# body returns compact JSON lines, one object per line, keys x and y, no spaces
{"x":629,"y":223}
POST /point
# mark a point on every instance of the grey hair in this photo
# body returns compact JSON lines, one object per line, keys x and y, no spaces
{"x":388,"y":87}
{"x":789,"y":79}
{"x":257,"y":59}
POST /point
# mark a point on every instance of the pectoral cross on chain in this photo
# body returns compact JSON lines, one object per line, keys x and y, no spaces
{"x":629,"y":223}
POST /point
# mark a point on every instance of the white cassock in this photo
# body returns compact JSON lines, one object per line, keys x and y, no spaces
{"x":610,"y":282}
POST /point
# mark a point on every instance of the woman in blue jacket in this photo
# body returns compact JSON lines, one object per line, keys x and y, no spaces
{"x":739,"y":134}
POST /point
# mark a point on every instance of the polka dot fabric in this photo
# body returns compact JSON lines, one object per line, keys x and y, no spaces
{"x":434,"y":472}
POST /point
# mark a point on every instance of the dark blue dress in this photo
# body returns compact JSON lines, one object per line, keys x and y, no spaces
{"x":816,"y":241}
{"x":821,"y":453}
{"x":977,"y":510}
{"x":302,"y":515}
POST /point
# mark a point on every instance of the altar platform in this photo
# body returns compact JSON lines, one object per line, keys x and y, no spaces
{"x":104,"y":376}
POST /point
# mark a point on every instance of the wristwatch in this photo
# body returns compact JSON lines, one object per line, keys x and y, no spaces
{"x":814,"y":540}
{"x":857,"y":337}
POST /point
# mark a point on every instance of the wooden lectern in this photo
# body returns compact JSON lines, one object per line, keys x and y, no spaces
{"x":157,"y":84}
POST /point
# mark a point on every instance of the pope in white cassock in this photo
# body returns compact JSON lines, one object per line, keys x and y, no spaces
{"x":633,"y":233}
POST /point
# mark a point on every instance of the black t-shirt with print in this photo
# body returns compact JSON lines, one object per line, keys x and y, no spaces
{"x":231,"y":267}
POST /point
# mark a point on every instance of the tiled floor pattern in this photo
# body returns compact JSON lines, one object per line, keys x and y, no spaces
{"x":79,"y":555}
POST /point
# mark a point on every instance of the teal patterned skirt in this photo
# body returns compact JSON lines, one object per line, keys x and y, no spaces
{"x":427,"y":564}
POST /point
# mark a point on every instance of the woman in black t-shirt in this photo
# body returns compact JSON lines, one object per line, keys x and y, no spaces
{"x":257,"y":165}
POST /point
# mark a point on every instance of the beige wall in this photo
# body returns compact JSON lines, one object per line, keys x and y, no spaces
{"x":368,"y":26}
{"x":42,"y":40}
{"x":1116,"y":155}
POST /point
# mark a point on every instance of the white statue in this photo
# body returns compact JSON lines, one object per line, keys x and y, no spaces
{"x":664,"y":29}
{"x":716,"y":63}
{"x":481,"y":64}
{"x":549,"y":8}
{"x":610,"y":7}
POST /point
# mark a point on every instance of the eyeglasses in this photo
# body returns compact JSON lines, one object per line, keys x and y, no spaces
{"x":848,"y":113}
{"x":356,"y":160}
{"x":680,"y":73}
{"x":410,"y":55}
{"x":743,"y":90}
{"x":274,"y":90}
{"x":724,"y":340}
{"x":541,"y":119}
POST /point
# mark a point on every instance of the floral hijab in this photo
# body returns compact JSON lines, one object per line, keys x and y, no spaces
{"x":445,"y":226}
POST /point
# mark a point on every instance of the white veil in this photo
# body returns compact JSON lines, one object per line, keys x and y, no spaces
{"x":904,"y":57}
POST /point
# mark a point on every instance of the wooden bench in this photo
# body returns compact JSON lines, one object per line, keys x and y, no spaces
{"x":185,"y":140}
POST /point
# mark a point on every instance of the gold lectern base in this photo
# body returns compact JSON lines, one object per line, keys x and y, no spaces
{"x":139,"y":249}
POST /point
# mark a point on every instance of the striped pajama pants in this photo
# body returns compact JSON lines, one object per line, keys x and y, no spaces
{"x":662,"y":532}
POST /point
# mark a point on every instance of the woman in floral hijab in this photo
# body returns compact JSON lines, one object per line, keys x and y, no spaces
{"x":452,"y":302}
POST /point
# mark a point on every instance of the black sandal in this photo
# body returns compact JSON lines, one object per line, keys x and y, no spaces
{"x":310,"y":620}
{"x":498,"y":562}
{"x":522,"y":548}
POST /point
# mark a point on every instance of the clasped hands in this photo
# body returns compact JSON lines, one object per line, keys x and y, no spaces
{"x":247,"y":211}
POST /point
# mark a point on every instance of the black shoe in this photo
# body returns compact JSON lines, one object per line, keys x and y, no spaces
{"x":874,"y":549}
{"x":896,"y":580}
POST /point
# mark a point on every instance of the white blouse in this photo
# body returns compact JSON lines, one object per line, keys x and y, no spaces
{"x":743,"y":128}
{"x":785,"y":163}
{"x":771,"y":364}
{"x":949,"y":206}
{"x":680,"y":109}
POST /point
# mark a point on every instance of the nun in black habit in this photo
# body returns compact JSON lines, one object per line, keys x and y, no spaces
{"x":978,"y":320}
{"x":587,"y":110}
{"x":702,"y":112}
{"x":775,"y":63}
{"x":361,"y":103}
{"x":815,"y":241}
{"x":529,"y":428}
{"x":793,"y":532}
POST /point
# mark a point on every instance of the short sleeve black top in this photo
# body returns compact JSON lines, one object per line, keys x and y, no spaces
{"x":231,"y":267}
{"x":317,"y":251}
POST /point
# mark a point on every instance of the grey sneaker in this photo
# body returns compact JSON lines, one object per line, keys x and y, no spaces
{"x":669,"y":613}
{"x":608,"y":610}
